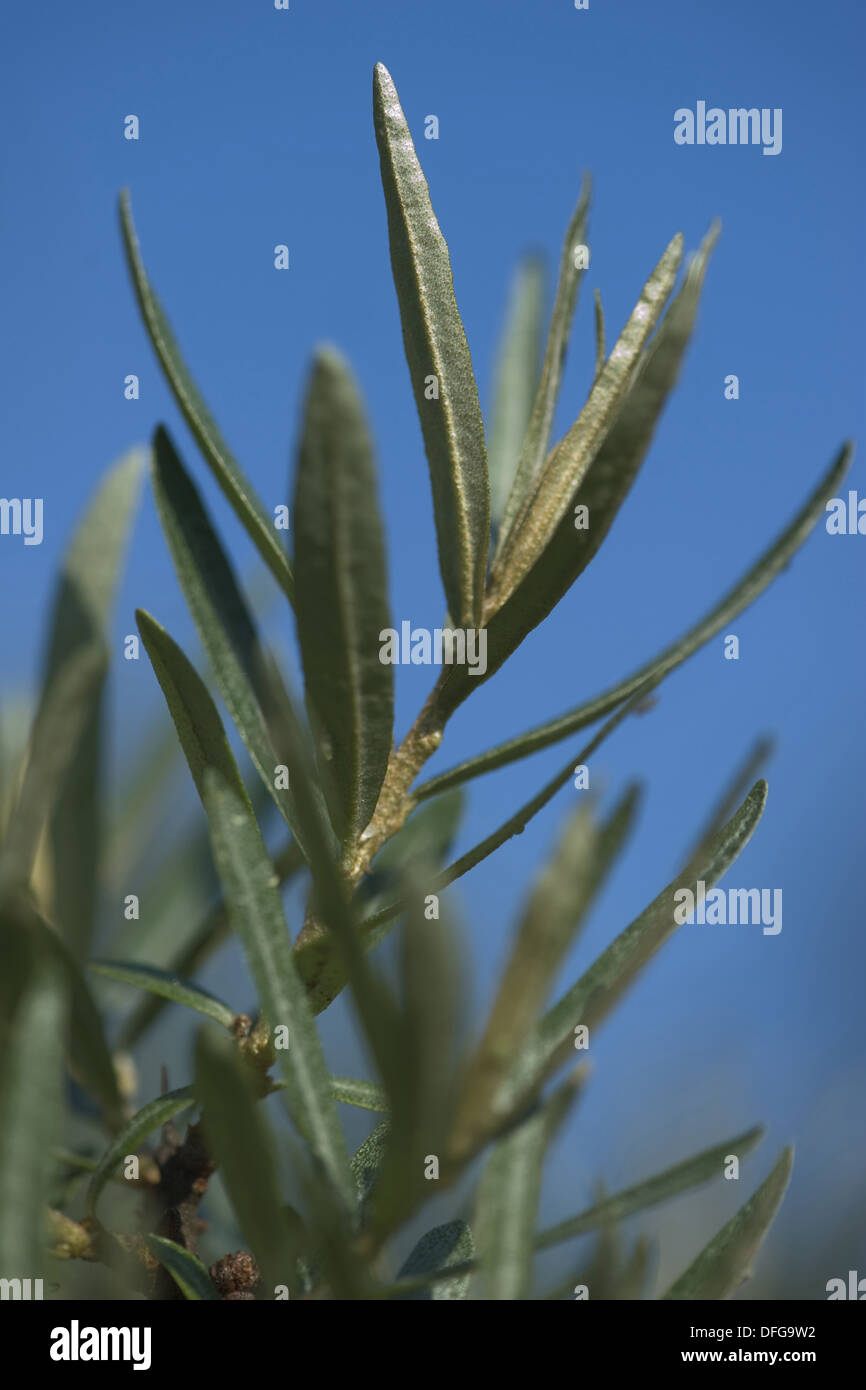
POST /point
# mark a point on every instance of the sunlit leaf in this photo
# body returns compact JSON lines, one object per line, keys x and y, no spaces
{"x":439,"y":363}
{"x":342,"y":602}
{"x":252,"y":894}
{"x":237,"y":487}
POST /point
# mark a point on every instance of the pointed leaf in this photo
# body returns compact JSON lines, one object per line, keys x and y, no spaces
{"x":727,"y":1261}
{"x":342,"y":603}
{"x":186,"y":1269}
{"x":224,"y":466}
{"x":253,"y":898}
{"x":82,"y":610}
{"x":436,"y":347}
{"x":367,"y":1159}
{"x":517,"y":372}
{"x":66,"y":706}
{"x":157,"y":1112}
{"x":605,"y":484}
{"x":560,"y":900}
{"x":570,"y":460}
{"x":167,"y":985}
{"x":682,"y":1177}
{"x":364,"y":1094}
{"x":595,"y":993}
{"x":536,"y":442}
{"x":744,"y":592}
{"x":447,"y":1245}
{"x":222,"y":618}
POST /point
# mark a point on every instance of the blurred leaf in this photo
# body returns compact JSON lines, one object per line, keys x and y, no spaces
{"x":253,"y":898}
{"x":375,"y":927}
{"x":23,"y":931}
{"x":168,"y":986}
{"x":239,"y":1137}
{"x":157,"y":1112}
{"x":590,"y":999}
{"x":364,"y":1094}
{"x":447,"y":1245}
{"x":30,"y":1117}
{"x":533,"y":447}
{"x":744,"y":592}
{"x":560,"y":900}
{"x":420,"y":1076}
{"x":342,"y":594}
{"x":186,"y":1270}
{"x":727,"y":1261}
{"x":692,"y":1172}
{"x":569,"y":461}
{"x":631,"y":1280}
{"x":222,"y":463}
{"x":436,"y":346}
{"x":367,"y":1159}
{"x":508,"y":1196}
{"x":517,"y":373}
{"x":222,"y":618}
{"x":64,"y":710}
{"x":603,"y":485}
{"x":80,"y":618}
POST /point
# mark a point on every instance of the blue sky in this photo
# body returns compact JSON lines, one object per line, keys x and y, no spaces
{"x":256,"y":129}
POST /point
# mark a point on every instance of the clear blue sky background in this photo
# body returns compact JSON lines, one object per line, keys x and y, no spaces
{"x":256,"y":129}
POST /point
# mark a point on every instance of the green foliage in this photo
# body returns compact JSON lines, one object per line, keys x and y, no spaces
{"x":366,"y":839}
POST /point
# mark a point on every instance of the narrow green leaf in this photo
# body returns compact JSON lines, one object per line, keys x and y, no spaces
{"x":64,"y":710}
{"x":727,"y":1261}
{"x":224,"y":466}
{"x":128,"y":1141}
{"x":682,"y":1177}
{"x":569,"y":461}
{"x":241,"y":1140}
{"x":607,"y":480}
{"x":367,"y":1159}
{"x":342,"y":599}
{"x":364,"y":1094}
{"x":591,"y":998}
{"x":87,"y":1053}
{"x":81,"y":615}
{"x":435,"y":1253}
{"x":30,"y":1117}
{"x":421,"y":1075}
{"x":744,"y":592}
{"x":537,"y":438}
{"x":436,"y":347}
{"x":252,"y":894}
{"x":600,"y":344}
{"x":221,"y":616}
{"x":508,"y":1197}
{"x":517,"y":373}
{"x":186,"y":1269}
{"x":167,"y":985}
{"x":557,"y":907}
